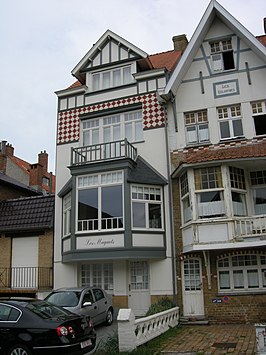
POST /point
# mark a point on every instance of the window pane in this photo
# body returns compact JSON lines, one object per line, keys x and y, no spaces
{"x":126,"y":75}
{"x":155,"y":216}
{"x":224,"y":280}
{"x":253,"y":278}
{"x":96,"y":82}
{"x":225,"y":131}
{"x":237,"y":125}
{"x":106,"y":80}
{"x":139,"y":215}
{"x":129,"y":131}
{"x":260,"y":124}
{"x":88,"y":208}
{"x":112,"y":210}
{"x":117,"y":77}
{"x":238,"y":279}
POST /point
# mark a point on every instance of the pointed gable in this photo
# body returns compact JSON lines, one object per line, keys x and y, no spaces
{"x":110,"y":48}
{"x":213,"y":12}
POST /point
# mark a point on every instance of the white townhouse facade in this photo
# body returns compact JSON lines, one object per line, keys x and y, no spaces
{"x":113,"y":216}
{"x":216,"y":101}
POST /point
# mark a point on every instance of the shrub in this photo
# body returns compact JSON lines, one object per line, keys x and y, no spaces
{"x":162,"y":305}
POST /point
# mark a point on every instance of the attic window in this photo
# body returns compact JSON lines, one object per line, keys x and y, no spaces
{"x":259,"y":117}
{"x":111,"y":78}
{"x":222,"y":55}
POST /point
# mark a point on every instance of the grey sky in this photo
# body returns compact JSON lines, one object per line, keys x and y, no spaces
{"x":41,"y":41}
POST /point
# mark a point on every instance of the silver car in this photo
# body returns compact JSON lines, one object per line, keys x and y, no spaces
{"x":88,"y":301}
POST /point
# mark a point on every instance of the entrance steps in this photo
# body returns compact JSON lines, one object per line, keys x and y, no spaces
{"x":193,"y":320}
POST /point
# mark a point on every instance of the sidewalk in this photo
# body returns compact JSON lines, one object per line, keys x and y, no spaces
{"x":234,"y":339}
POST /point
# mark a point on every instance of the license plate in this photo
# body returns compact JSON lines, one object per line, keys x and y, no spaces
{"x":85,"y":343}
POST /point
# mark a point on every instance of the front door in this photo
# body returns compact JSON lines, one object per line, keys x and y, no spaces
{"x":139,"y":299}
{"x":193,"y":303}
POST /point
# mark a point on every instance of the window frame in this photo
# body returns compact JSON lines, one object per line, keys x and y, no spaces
{"x":66,"y":215}
{"x":99,"y":181}
{"x":258,"y":182}
{"x":196,"y":120}
{"x":259,"y":112}
{"x":105,"y":275}
{"x":238,"y":186}
{"x":147,"y":203}
{"x":125,"y":77}
{"x":227,"y":115}
{"x":222,"y":48}
{"x":241,"y":264}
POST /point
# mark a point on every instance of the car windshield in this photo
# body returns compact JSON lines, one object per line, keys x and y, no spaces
{"x":46,"y":310}
{"x":64,"y":298}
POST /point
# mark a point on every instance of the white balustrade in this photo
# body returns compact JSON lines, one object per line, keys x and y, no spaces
{"x":134,"y":332}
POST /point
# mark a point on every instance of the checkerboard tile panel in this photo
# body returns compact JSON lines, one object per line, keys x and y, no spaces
{"x":68,"y":121}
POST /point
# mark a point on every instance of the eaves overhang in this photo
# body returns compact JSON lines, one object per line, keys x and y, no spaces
{"x":224,"y":246}
{"x":71,"y":91}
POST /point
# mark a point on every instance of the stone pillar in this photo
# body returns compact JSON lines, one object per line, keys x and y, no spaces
{"x":126,"y":330}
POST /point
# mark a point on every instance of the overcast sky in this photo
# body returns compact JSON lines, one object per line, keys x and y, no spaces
{"x":41,"y":41}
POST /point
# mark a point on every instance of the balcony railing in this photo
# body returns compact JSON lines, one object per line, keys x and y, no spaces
{"x":102,"y":152}
{"x":26,"y":278}
{"x":250,"y":226}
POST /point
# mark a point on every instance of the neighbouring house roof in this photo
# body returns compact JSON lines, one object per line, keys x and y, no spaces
{"x":144,"y":173}
{"x":237,"y":150}
{"x":27,"y":214}
{"x":213,"y":10}
{"x":7,"y":180}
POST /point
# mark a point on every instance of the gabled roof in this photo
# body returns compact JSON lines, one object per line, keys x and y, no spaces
{"x":213,"y":10}
{"x":27,"y":214}
{"x":98,"y":45}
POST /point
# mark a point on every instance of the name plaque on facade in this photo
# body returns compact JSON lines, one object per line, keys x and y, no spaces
{"x":226,"y":88}
{"x":101,"y":242}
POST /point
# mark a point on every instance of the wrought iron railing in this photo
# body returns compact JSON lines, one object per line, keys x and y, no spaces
{"x":102,"y":152}
{"x":26,"y":278}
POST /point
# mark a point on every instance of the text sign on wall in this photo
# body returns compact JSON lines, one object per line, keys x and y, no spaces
{"x":226,"y":88}
{"x":101,"y":242}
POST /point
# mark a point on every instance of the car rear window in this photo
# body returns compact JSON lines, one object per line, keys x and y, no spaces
{"x":64,"y":298}
{"x":46,"y":310}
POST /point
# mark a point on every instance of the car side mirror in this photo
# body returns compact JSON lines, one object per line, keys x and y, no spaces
{"x":86,"y":304}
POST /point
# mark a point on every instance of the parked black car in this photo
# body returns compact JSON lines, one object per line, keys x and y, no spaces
{"x":31,"y":326}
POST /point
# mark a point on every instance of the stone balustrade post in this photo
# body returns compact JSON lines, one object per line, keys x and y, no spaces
{"x":126,"y":330}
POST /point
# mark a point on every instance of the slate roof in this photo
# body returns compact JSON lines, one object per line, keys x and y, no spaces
{"x":27,"y":214}
{"x":144,"y":173}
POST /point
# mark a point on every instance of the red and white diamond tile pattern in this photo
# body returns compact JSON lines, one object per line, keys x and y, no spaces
{"x":69,"y":123}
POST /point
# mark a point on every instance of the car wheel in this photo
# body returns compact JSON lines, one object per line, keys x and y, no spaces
{"x":109,"y":317}
{"x":19,"y":349}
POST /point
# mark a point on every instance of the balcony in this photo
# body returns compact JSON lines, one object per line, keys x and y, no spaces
{"x":250,"y":226}
{"x":25,"y":278}
{"x":103,"y":152}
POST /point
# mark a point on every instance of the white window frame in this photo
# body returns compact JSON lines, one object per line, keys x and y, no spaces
{"x":125,"y":75}
{"x":97,"y":275}
{"x":93,"y":130}
{"x":242,"y":264}
{"x":196,"y":122}
{"x":146,"y":201}
{"x":67,"y":214}
{"x":99,"y":181}
{"x":238,"y":186}
{"x":185,"y":198}
{"x":259,"y":112}
{"x":230,"y":115}
{"x":258,"y":181}
{"x":217,"y":51}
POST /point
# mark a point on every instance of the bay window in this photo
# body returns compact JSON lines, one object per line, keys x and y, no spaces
{"x":245,"y":272}
{"x":146,"y":207}
{"x":100,"y":202}
{"x":209,"y":191}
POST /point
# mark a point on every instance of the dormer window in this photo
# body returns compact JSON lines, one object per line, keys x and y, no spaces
{"x":111,"y":78}
{"x":222,"y":55}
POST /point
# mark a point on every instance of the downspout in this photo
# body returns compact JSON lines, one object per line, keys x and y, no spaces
{"x":172,"y":234}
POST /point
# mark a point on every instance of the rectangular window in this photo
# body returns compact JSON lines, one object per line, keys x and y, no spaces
{"x":100,"y":202}
{"x":113,"y":128}
{"x":222,"y":55}
{"x":259,"y":117}
{"x":230,"y":121}
{"x":197,"y":128}
{"x":209,"y":191}
{"x":111,"y":78}
{"x":66,"y":214}
{"x":245,"y":272}
{"x":146,"y":207}
{"x":187,"y":213}
{"x":258,"y":182}
{"x":97,"y":275}
{"x":238,"y":191}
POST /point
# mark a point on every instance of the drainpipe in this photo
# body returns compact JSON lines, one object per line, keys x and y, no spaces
{"x":172,"y":234}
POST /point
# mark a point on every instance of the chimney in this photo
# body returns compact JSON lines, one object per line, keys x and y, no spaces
{"x":36,"y":174}
{"x":180,"y":42}
{"x":9,"y":150}
{"x":43,"y":160}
